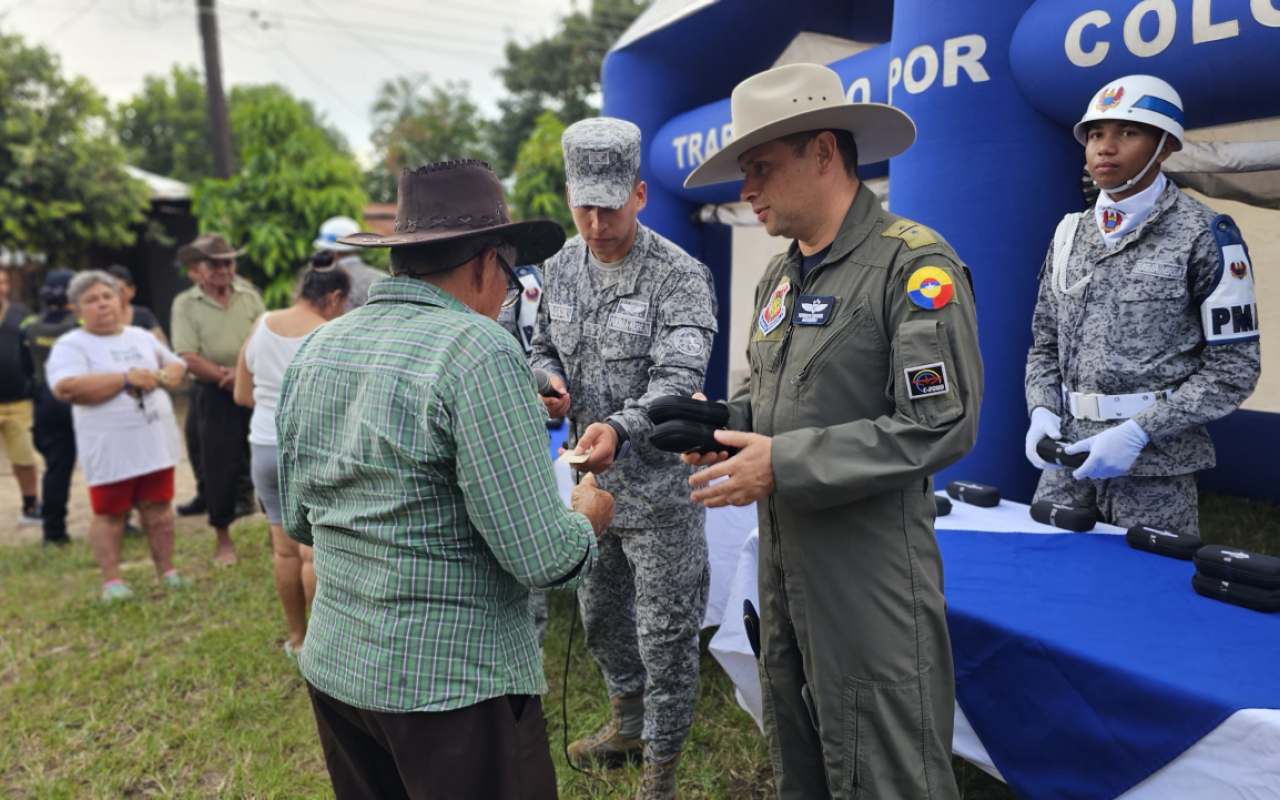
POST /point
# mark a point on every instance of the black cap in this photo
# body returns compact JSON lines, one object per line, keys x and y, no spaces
{"x":55,"y":285}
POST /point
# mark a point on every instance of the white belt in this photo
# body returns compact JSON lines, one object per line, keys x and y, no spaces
{"x":1099,"y":407}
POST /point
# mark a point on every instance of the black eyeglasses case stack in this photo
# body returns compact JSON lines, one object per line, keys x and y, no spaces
{"x":1239,"y":577}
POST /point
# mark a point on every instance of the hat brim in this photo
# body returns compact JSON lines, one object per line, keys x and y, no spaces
{"x":881,"y":132}
{"x":188,"y":255}
{"x":332,"y":244}
{"x":535,"y":240}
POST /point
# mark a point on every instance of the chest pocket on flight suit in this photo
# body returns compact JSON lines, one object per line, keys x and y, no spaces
{"x":1144,"y":305}
{"x":852,"y":336}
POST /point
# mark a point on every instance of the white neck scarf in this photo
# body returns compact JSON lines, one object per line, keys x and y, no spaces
{"x":1115,"y":218}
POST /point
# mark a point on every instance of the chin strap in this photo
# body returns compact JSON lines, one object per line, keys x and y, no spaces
{"x":1134,"y":180}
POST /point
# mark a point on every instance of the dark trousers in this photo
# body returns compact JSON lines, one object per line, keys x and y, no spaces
{"x":191,"y":432}
{"x":55,"y":438}
{"x":224,"y":451}
{"x":496,"y":750}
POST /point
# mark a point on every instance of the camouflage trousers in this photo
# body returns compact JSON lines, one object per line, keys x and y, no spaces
{"x":1164,"y":501}
{"x":642,"y":606}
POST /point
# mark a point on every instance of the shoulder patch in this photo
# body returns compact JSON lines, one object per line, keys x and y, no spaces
{"x":1230,"y":313}
{"x":930,"y":288}
{"x":912,"y":234}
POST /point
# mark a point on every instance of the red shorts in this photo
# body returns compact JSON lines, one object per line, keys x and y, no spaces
{"x":114,"y":499}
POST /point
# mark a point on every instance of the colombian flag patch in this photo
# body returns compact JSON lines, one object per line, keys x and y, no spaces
{"x":930,"y":288}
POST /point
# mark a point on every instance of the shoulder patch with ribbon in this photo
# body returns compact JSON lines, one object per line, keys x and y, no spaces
{"x":930,"y":288}
{"x":912,"y":234}
{"x":1230,"y":313}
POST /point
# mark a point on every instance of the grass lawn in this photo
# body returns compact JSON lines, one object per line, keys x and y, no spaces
{"x":191,"y":696}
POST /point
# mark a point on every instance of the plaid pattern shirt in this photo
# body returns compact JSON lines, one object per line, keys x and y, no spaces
{"x":413,"y":457}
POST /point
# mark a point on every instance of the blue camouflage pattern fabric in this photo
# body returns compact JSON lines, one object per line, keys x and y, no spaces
{"x":1135,"y":327}
{"x":620,"y":339}
{"x":619,"y":342}
{"x":601,"y":158}
{"x":1167,"y":502}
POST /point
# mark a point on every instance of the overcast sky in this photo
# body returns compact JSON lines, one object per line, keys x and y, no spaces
{"x":333,"y":52}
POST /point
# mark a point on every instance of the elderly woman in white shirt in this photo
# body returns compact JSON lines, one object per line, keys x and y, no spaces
{"x":115,"y":378}
{"x":272,"y":344}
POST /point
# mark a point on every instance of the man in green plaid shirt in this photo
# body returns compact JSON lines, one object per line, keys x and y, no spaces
{"x":413,"y":458}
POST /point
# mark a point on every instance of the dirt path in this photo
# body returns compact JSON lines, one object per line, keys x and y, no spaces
{"x":78,"y":511}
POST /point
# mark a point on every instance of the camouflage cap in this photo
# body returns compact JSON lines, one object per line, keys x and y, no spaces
{"x":601,"y":157}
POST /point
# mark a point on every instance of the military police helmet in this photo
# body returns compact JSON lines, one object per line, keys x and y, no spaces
{"x":1136,"y":98}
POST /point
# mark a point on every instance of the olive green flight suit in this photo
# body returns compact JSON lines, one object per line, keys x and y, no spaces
{"x":850,"y":573}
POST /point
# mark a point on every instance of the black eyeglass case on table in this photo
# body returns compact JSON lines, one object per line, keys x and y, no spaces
{"x":975,"y":494}
{"x":1163,"y":543}
{"x":942,"y":505}
{"x":1068,"y":518}
{"x":1239,"y":566}
{"x":1239,"y":594}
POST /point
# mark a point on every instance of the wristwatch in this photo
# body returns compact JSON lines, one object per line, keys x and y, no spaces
{"x":624,"y":440}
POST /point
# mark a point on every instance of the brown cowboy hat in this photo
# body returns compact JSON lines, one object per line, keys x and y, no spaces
{"x":210,"y":246}
{"x":454,"y":200}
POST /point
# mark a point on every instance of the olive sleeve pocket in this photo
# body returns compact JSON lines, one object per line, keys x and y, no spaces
{"x":925,"y":379}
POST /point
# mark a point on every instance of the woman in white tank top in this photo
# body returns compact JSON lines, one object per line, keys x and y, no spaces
{"x":274,"y":341}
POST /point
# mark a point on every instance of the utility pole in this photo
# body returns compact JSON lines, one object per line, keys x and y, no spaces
{"x":219,"y":127}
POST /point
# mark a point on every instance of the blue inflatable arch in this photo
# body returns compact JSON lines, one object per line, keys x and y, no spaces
{"x":994,"y":87}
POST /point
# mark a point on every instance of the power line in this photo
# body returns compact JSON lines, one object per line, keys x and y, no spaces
{"x":381,"y":53}
{"x":421,"y":36}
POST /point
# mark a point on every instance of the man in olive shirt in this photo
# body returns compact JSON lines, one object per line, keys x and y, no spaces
{"x":210,"y":323}
{"x":865,"y":380}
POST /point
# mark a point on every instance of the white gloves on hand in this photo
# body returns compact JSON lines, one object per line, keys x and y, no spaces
{"x":1043,"y":423}
{"x":1111,"y":452}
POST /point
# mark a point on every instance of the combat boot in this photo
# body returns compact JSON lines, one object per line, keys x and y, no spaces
{"x":658,"y":781}
{"x":610,"y":746}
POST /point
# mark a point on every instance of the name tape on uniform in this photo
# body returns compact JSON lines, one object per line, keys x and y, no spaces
{"x":631,"y":316}
{"x":814,"y":309}
{"x":926,"y":380}
{"x":560,"y":312}
{"x":1159,"y":270}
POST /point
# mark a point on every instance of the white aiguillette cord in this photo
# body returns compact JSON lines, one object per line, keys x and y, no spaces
{"x":1064,"y":239}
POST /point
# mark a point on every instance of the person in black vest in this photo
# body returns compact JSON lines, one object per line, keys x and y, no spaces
{"x":53,"y":434}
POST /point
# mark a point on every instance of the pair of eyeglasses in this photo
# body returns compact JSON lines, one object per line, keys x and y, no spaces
{"x":514,"y":287}
{"x":222,"y":263}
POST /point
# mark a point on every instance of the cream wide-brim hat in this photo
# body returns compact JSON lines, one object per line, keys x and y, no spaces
{"x":798,"y":98}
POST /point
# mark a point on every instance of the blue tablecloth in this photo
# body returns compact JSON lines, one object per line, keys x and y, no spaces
{"x":1085,"y":666}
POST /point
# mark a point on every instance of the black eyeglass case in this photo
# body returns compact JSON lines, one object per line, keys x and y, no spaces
{"x":1162,"y":542}
{"x":975,"y":494}
{"x":1053,"y":451}
{"x":684,"y":436}
{"x":1238,"y":594}
{"x":1068,"y":518}
{"x":675,"y":406}
{"x":1239,"y":566}
{"x":943,"y":505}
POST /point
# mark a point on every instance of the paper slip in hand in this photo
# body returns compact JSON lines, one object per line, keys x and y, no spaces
{"x":570,"y":458}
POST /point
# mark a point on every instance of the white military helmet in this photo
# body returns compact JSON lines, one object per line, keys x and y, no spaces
{"x":331,"y":230}
{"x":1137,"y":98}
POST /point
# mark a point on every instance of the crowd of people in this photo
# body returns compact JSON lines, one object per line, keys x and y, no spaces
{"x":393,"y":430}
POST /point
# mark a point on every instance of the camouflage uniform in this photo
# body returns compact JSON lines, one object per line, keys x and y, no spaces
{"x":619,"y":339}
{"x":1135,"y":327}
{"x":511,"y":318}
{"x":618,"y":347}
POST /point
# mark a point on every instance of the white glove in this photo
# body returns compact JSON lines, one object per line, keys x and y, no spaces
{"x":1111,"y":452}
{"x":1043,"y":423}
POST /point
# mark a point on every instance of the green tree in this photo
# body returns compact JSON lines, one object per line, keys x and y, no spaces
{"x":417,"y":122}
{"x":63,"y":187}
{"x":165,"y":128}
{"x":292,"y":177}
{"x":561,"y":72}
{"x":539,"y":184}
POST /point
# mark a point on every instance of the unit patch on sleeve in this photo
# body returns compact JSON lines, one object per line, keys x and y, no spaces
{"x":930,"y":288}
{"x":689,"y":341}
{"x":926,"y":380}
{"x":814,"y":309}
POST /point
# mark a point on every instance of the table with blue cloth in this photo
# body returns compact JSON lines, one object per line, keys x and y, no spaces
{"x":1084,"y":669}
